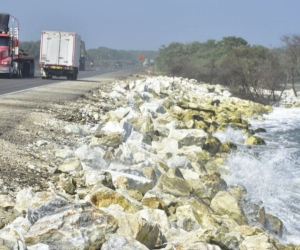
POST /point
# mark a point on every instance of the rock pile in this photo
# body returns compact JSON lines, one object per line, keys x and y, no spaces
{"x":136,"y":165}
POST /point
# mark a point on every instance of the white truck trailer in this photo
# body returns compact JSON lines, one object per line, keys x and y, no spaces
{"x":60,"y":54}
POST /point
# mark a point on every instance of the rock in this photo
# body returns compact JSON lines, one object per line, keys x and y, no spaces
{"x":6,"y":218}
{"x":212,"y":185}
{"x":74,"y":227}
{"x":273,"y":224}
{"x":6,"y":202}
{"x":179,"y":162}
{"x":91,"y":155}
{"x":225,"y":204}
{"x":120,"y":242}
{"x":41,"y":143}
{"x":260,"y":241}
{"x":39,"y":246}
{"x":254,"y":140}
{"x":70,"y":165}
{"x":130,"y":181}
{"x":62,"y":154}
{"x":12,"y":235}
{"x":93,"y":177}
{"x":104,"y":197}
{"x":68,"y":184}
{"x":189,"y":137}
{"x":157,"y":216}
{"x":227,"y":147}
{"x":23,"y":200}
{"x":45,"y":203}
{"x":111,"y":140}
{"x":113,"y":127}
{"x":75,"y":129}
{"x":212,"y":145}
{"x":135,"y":226}
{"x":152,"y":107}
{"x":173,"y":185}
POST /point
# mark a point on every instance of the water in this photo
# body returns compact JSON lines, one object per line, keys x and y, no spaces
{"x":271,"y":173}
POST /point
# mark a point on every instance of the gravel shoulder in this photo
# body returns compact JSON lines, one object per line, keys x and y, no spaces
{"x":31,"y":117}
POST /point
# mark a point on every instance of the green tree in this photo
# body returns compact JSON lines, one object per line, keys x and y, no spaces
{"x":250,"y":71}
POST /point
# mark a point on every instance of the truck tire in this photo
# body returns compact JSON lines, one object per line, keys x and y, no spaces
{"x":26,"y":69}
{"x":74,"y":76}
{"x":19,"y":72}
{"x":31,"y":74}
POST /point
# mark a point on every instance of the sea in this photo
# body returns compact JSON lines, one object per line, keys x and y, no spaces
{"x":271,"y":173}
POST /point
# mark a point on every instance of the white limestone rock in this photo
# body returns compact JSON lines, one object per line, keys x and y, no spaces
{"x":122,"y":242}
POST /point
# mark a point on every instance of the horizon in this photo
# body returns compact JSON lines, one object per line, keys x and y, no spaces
{"x":142,"y":26}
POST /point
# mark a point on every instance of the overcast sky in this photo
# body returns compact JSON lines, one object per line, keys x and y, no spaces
{"x":149,"y":24}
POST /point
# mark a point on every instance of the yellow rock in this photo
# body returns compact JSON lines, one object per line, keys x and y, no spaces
{"x":254,"y":140}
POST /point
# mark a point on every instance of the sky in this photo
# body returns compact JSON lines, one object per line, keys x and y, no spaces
{"x":150,"y":24}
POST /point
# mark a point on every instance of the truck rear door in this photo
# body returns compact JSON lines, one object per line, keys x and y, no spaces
{"x":66,"y":49}
{"x":50,"y":49}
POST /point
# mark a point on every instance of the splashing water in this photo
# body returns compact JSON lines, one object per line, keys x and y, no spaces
{"x":271,"y":173}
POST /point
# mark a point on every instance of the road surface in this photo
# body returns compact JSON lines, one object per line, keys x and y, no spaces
{"x":14,"y":85}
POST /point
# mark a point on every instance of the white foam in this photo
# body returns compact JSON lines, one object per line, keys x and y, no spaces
{"x":271,"y":173}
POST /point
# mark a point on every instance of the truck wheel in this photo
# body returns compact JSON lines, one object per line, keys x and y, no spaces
{"x":19,"y":73}
{"x":31,"y":74}
{"x":74,"y":76}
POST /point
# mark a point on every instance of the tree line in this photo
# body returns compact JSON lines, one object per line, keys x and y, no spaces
{"x":101,"y":56}
{"x":246,"y":70}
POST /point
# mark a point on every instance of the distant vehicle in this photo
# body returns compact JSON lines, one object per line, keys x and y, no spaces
{"x":60,"y":54}
{"x":118,"y":65}
{"x":82,"y":56}
{"x":151,"y":63}
{"x":13,"y":62}
{"x":146,"y":63}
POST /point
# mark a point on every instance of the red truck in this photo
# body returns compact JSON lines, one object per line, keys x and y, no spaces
{"x":13,"y":62}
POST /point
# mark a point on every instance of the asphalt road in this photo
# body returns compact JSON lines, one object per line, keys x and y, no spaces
{"x":14,"y":85}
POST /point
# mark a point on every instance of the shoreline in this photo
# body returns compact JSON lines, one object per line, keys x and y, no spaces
{"x":140,"y":154}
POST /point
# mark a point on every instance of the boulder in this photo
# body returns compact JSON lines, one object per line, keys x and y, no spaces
{"x":173,"y":185}
{"x":104,"y":197}
{"x":189,"y":137}
{"x":225,"y":204}
{"x":130,"y":181}
{"x":259,"y":241}
{"x":45,"y":203}
{"x":12,"y":235}
{"x":255,"y":140}
{"x":135,"y":226}
{"x":74,"y":227}
{"x":120,"y":242}
{"x":157,"y":216}
{"x":70,"y":165}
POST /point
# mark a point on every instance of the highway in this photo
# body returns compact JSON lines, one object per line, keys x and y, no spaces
{"x":18,"y":84}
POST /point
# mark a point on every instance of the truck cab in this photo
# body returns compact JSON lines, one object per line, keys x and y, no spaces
{"x":12,"y":63}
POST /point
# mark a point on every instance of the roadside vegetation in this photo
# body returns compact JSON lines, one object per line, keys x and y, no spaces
{"x":246,"y":70}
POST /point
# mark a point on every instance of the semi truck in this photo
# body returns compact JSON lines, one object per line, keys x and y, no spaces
{"x":60,"y":54}
{"x":13,"y":61}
